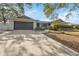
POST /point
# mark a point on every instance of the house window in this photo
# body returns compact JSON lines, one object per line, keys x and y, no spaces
{"x":38,"y":25}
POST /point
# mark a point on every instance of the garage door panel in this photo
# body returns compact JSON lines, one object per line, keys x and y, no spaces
{"x":23,"y":25}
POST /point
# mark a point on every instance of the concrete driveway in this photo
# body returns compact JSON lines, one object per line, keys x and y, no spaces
{"x":31,"y":43}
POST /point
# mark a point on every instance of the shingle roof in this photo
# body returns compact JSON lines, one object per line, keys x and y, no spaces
{"x":44,"y":22}
{"x":59,"y":21}
{"x":25,"y":18}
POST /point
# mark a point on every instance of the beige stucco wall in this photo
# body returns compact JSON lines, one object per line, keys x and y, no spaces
{"x":34,"y":25}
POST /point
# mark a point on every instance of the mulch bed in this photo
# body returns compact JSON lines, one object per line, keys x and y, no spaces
{"x":68,"y":40}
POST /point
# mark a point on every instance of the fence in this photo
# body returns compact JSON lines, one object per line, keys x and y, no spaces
{"x":7,"y":26}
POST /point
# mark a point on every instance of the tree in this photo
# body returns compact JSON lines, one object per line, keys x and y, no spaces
{"x":11,"y":11}
{"x":51,"y":8}
{"x":17,"y":9}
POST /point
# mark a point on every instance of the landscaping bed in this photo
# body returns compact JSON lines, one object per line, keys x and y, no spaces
{"x":69,"y":40}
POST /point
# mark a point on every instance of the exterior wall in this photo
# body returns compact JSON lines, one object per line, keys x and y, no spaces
{"x":8,"y":26}
{"x":44,"y":25}
{"x":34,"y":25}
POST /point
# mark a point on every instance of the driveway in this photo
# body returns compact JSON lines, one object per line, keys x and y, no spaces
{"x":31,"y":43}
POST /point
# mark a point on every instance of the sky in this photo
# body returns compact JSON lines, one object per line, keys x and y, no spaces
{"x":36,"y":12}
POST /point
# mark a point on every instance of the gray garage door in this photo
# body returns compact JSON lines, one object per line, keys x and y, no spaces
{"x":23,"y":25}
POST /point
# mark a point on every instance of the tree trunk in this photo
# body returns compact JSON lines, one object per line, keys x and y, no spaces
{"x":3,"y":18}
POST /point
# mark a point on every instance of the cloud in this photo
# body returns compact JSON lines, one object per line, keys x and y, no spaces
{"x":65,"y":14}
{"x":31,"y":12}
{"x":45,"y":20}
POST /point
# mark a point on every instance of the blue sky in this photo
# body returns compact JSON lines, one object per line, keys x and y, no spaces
{"x":36,"y":12}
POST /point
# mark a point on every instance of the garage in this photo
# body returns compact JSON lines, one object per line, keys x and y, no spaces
{"x":18,"y":25}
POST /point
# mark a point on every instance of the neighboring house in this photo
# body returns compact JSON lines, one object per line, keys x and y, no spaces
{"x":24,"y":23}
{"x":59,"y":21}
{"x":66,"y":25}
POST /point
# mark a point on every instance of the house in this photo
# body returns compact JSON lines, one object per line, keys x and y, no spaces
{"x":24,"y":23}
{"x":43,"y":24}
{"x":62,"y":25}
{"x":59,"y":21}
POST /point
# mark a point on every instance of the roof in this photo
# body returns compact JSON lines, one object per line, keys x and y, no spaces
{"x":29,"y":19}
{"x":24,"y":19}
{"x":43,"y":22}
{"x":59,"y":21}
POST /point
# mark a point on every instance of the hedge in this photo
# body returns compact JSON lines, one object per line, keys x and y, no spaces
{"x":60,"y":26}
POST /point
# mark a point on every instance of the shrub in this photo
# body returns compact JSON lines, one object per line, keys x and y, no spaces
{"x":50,"y":28}
{"x":77,"y":26}
{"x":66,"y":26}
{"x":60,"y":26}
{"x":56,"y":27}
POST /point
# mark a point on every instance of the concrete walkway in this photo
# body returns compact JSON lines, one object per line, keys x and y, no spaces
{"x":32,"y":44}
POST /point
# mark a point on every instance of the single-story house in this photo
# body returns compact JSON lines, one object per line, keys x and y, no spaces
{"x":59,"y":21}
{"x":66,"y":26}
{"x":24,"y":23}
